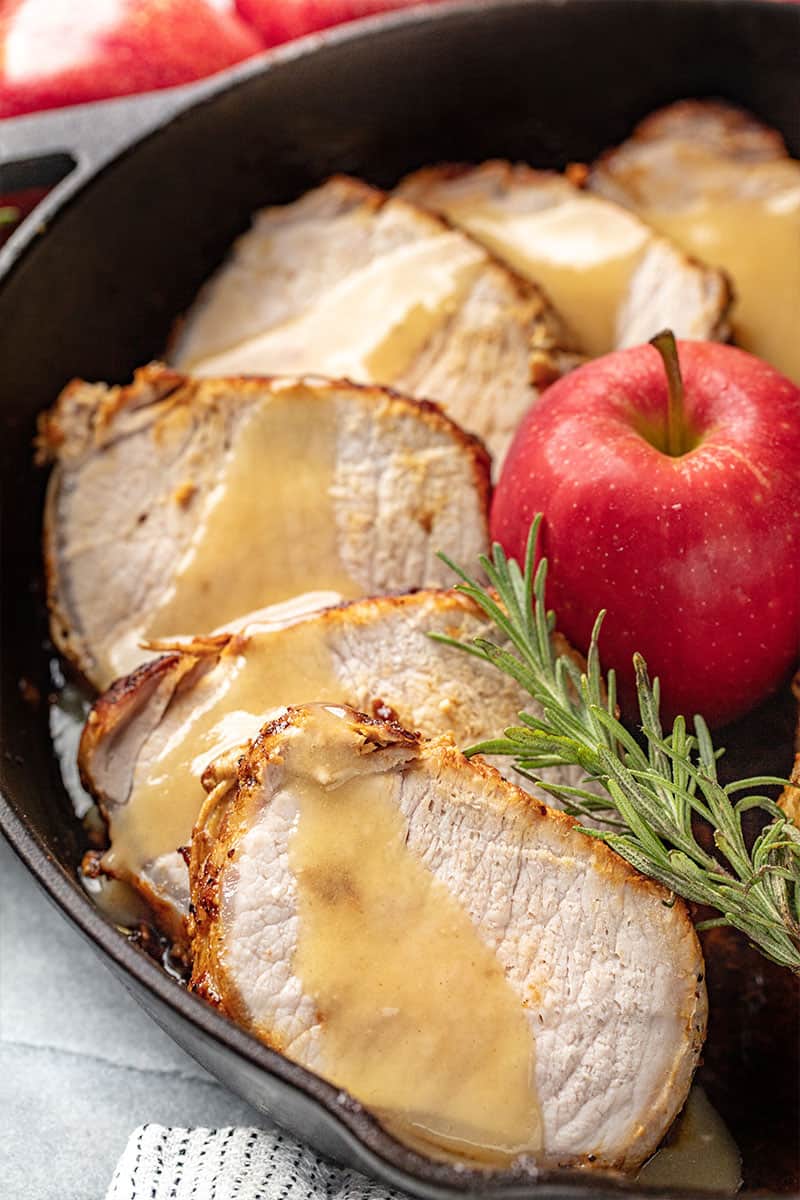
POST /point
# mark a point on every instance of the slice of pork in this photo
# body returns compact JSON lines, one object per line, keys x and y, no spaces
{"x":148,"y":741}
{"x":660,"y":161}
{"x":789,"y":798}
{"x":721,"y":185}
{"x":424,"y":934}
{"x":613,"y":279}
{"x":349,"y":282}
{"x":177,"y":505}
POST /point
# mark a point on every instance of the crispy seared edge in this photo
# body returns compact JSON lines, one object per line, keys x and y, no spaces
{"x":235,"y":785}
{"x":577,"y":175}
{"x":734,"y":132}
{"x":108,"y":718}
{"x":418,"y":183}
{"x":229,"y":781}
{"x":83,"y":420}
{"x":115,"y":708}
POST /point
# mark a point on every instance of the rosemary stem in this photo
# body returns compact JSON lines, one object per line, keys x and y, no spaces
{"x":645,"y":797}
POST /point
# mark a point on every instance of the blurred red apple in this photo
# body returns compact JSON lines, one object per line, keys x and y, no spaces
{"x":281,"y":20}
{"x":57,"y":52}
{"x":16,"y":205}
{"x":692,"y":547}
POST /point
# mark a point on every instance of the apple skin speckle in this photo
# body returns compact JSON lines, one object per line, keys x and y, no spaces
{"x":695,"y":556}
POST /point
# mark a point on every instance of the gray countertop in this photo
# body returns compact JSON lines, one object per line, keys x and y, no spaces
{"x":81,"y":1065}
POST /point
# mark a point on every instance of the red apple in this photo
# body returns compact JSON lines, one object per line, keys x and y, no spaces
{"x":280,"y":20}
{"x":694,"y":548}
{"x":16,"y":205}
{"x":57,"y":52}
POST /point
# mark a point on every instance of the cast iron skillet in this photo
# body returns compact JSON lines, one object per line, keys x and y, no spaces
{"x":91,"y":282}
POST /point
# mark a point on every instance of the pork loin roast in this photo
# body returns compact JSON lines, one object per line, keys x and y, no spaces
{"x":719,"y":183}
{"x":349,"y":282}
{"x":613,"y":279}
{"x":178,"y":505}
{"x":424,"y":934}
{"x":789,"y":798}
{"x":149,"y":739}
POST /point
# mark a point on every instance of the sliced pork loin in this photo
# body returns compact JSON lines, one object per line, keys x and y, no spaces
{"x":177,"y":505}
{"x":789,"y":799}
{"x":149,"y":739}
{"x":613,"y":279}
{"x":721,"y":184}
{"x":350,"y":282}
{"x":677,"y":152}
{"x":422,"y":933}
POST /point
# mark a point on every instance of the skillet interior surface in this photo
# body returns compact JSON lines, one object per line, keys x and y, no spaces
{"x":548,"y":82}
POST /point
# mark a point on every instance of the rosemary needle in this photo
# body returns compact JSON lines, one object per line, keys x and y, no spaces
{"x":644,"y":796}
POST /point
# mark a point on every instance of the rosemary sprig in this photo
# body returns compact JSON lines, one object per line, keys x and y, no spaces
{"x":644,"y":795}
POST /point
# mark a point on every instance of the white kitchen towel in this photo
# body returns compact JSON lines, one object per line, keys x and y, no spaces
{"x":231,"y":1164}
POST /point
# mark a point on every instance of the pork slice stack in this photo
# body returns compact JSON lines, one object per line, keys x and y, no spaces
{"x":177,"y":505}
{"x":211,"y":541}
{"x":614,"y":280}
{"x":149,"y":741}
{"x":350,"y":282}
{"x":424,"y":934}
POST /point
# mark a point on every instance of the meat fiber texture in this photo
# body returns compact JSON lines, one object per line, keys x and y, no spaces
{"x":666,"y":289}
{"x":687,"y":150}
{"x":606,"y":965}
{"x":347,"y":281}
{"x":138,"y":469}
{"x":379,"y":658}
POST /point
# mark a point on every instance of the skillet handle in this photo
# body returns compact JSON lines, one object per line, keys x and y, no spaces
{"x":62,"y":148}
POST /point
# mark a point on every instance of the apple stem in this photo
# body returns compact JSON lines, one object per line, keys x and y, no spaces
{"x":667,"y":347}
